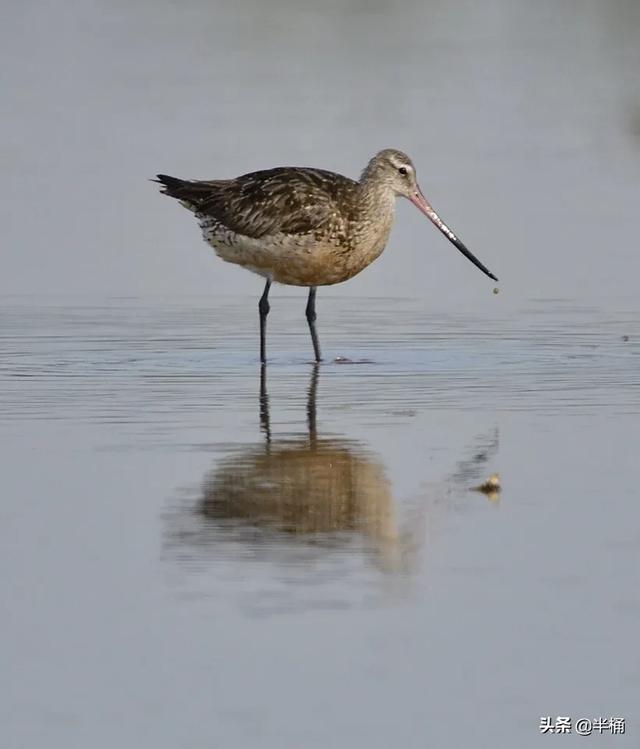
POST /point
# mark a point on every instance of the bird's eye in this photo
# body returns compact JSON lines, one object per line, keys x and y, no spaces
{"x":403,"y":171}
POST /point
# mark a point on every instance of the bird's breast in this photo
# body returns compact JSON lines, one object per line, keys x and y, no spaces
{"x":326,"y":256}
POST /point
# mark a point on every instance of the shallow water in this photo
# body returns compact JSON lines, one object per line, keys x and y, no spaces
{"x":202,"y":552}
{"x":195,"y":552}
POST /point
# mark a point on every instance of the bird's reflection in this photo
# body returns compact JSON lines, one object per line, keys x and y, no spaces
{"x":304,"y":486}
{"x":315,"y":493}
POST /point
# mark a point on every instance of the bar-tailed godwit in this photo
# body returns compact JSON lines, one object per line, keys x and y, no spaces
{"x":305,"y":227}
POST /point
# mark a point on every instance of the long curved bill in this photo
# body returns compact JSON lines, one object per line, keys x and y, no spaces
{"x":420,"y":201}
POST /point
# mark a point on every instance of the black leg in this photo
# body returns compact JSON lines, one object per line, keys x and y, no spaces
{"x":311,"y":405}
{"x":311,"y":319}
{"x":263,"y":308}
{"x":265,"y":422}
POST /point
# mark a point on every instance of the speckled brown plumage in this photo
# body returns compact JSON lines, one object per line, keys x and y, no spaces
{"x":303,"y":226}
{"x":288,"y":200}
{"x":296,"y":226}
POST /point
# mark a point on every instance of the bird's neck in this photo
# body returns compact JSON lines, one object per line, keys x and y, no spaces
{"x":376,"y":198}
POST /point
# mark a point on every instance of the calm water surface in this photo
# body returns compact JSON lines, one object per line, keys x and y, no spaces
{"x":195,"y":553}
{"x":198,"y":552}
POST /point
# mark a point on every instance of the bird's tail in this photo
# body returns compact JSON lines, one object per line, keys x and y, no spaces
{"x":172,"y":186}
{"x":191,"y":193}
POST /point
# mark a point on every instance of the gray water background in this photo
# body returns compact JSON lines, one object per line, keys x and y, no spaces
{"x":148,"y":599}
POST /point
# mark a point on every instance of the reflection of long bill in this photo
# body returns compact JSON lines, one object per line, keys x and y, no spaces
{"x":420,"y":201}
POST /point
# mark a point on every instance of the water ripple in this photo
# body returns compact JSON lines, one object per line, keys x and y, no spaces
{"x":153,"y":363}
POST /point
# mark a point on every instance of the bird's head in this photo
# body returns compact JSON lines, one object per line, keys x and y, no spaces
{"x":394,"y":171}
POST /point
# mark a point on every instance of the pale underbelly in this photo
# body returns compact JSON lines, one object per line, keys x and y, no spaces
{"x":293,"y":260}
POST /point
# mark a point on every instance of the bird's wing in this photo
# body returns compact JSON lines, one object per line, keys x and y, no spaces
{"x":275,"y":201}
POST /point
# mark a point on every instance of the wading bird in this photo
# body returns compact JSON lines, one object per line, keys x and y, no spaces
{"x":305,"y":227}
